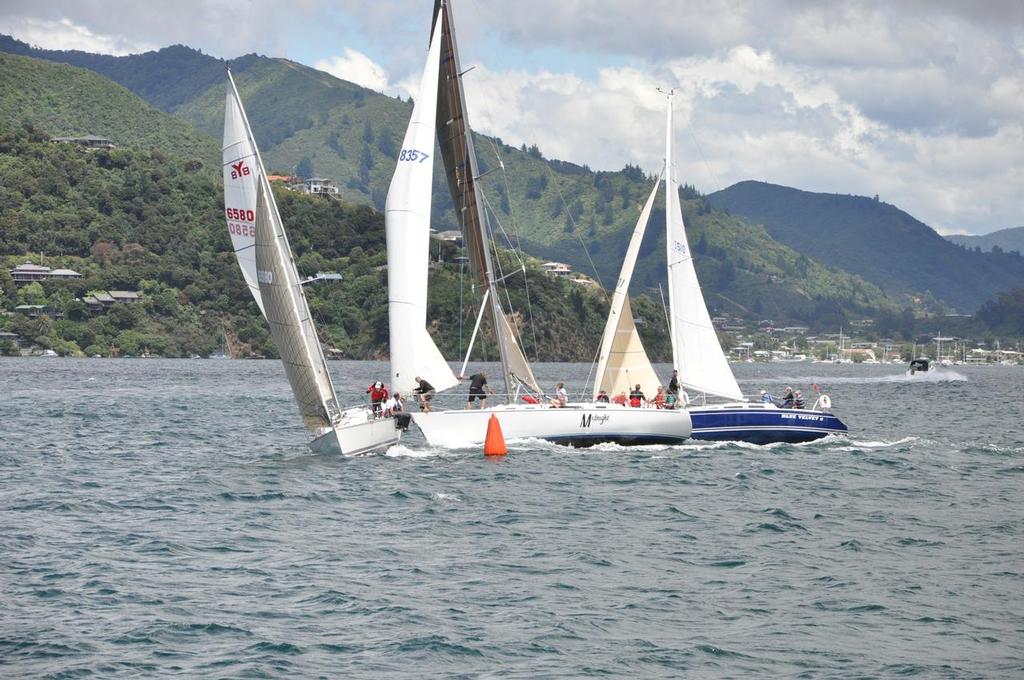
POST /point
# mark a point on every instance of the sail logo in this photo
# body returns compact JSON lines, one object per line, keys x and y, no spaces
{"x":413,"y":155}
{"x":239,"y":169}
{"x":589,"y":418}
{"x":264,"y":276}
{"x":679,"y":247}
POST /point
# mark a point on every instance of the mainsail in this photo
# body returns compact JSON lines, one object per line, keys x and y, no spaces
{"x":696,"y":352}
{"x":622,"y":361}
{"x":242,"y":166}
{"x":287,"y":312}
{"x":407,"y":225}
{"x":456,"y":143}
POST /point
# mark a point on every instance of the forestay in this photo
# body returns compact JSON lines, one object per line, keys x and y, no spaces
{"x":242,"y":165}
{"x":622,"y":361}
{"x":407,"y":226}
{"x":288,"y":315}
{"x":696,"y":352}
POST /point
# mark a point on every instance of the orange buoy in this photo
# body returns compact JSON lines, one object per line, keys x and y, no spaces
{"x":494,"y":444}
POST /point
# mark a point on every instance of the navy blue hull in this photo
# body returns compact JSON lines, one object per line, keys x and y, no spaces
{"x":763,"y":426}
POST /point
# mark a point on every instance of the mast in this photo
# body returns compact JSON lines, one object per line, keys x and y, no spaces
{"x":670,"y":173}
{"x":696,"y":352}
{"x":456,"y":141}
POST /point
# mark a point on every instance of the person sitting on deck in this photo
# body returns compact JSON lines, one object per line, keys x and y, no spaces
{"x":767,"y":398}
{"x":787,"y":398}
{"x":619,"y":399}
{"x":636,"y":397}
{"x":561,"y":396}
{"x":392,"y":406}
{"x":798,"y":401}
{"x":602,"y":397}
{"x":659,"y":398}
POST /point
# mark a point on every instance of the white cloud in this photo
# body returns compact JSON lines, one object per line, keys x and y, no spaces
{"x":356,"y":67}
{"x":63,"y":34}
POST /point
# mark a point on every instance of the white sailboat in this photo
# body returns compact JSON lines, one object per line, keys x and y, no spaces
{"x":440,"y":115}
{"x":697,"y":355}
{"x":265,"y":258}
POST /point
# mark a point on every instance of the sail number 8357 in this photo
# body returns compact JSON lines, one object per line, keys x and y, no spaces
{"x":412,"y":155}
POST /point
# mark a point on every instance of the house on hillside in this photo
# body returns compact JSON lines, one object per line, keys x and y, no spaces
{"x":87,"y":142}
{"x":556,"y":269}
{"x":321,"y":186}
{"x":28,"y":272}
{"x":99,"y":301}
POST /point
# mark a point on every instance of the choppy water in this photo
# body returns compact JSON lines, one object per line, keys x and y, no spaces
{"x":164,"y":518}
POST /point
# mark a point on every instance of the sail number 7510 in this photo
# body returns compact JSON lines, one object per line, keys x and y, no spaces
{"x":412,"y":155}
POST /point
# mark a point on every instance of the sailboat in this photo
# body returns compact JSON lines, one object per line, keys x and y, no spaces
{"x":265,"y":258}
{"x":697,"y":356}
{"x":439,"y":117}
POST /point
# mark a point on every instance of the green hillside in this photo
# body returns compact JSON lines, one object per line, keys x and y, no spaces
{"x":165,"y":78}
{"x":875,"y":240}
{"x":69,"y":101}
{"x":141,"y":219}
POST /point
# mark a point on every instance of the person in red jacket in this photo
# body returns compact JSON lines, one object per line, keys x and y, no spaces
{"x":378,"y":394}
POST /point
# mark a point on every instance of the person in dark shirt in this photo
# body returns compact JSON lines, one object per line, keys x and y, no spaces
{"x":788,"y":398}
{"x":673,"y":384}
{"x":636,"y":397}
{"x":426,"y":392}
{"x":602,"y":397}
{"x":477,"y":385}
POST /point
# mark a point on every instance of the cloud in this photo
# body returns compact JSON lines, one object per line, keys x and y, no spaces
{"x":63,"y":34}
{"x":356,"y":67}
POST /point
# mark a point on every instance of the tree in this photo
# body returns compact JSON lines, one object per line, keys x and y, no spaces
{"x":305,"y":168}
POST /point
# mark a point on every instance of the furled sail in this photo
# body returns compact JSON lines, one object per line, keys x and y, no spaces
{"x":407,"y":225}
{"x":242,"y":165}
{"x":696,"y":352}
{"x":291,"y":325}
{"x":622,"y":361}
{"x":455,"y":139}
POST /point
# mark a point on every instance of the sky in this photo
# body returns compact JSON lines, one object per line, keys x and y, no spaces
{"x":920,"y":102}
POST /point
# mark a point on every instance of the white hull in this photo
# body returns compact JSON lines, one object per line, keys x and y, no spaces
{"x":358,"y":433}
{"x":574,"y":425}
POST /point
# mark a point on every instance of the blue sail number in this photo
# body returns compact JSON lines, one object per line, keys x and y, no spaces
{"x":412,"y":155}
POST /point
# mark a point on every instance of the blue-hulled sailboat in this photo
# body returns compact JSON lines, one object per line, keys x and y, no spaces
{"x":697,"y":356}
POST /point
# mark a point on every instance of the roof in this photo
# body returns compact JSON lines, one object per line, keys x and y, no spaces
{"x":64,"y":272}
{"x":124,"y":294}
{"x":29,"y":267}
{"x":29,"y":307}
{"x":101,"y":296}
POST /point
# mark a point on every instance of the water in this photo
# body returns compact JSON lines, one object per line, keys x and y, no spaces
{"x":162,"y":518}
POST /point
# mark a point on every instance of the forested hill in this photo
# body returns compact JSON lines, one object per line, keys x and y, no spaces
{"x":1005,"y":239}
{"x":875,"y":240}
{"x":67,"y":101}
{"x":140,"y":219}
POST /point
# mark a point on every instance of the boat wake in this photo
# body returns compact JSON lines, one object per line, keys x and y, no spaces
{"x":938,"y":376}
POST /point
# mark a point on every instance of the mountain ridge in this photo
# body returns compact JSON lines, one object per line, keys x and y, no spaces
{"x":876,"y":241}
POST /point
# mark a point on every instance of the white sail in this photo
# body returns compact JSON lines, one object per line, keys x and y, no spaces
{"x":696,"y":352}
{"x":287,"y":312}
{"x":622,"y":361}
{"x":242,"y":165}
{"x":518,"y":367}
{"x":407,"y":225}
